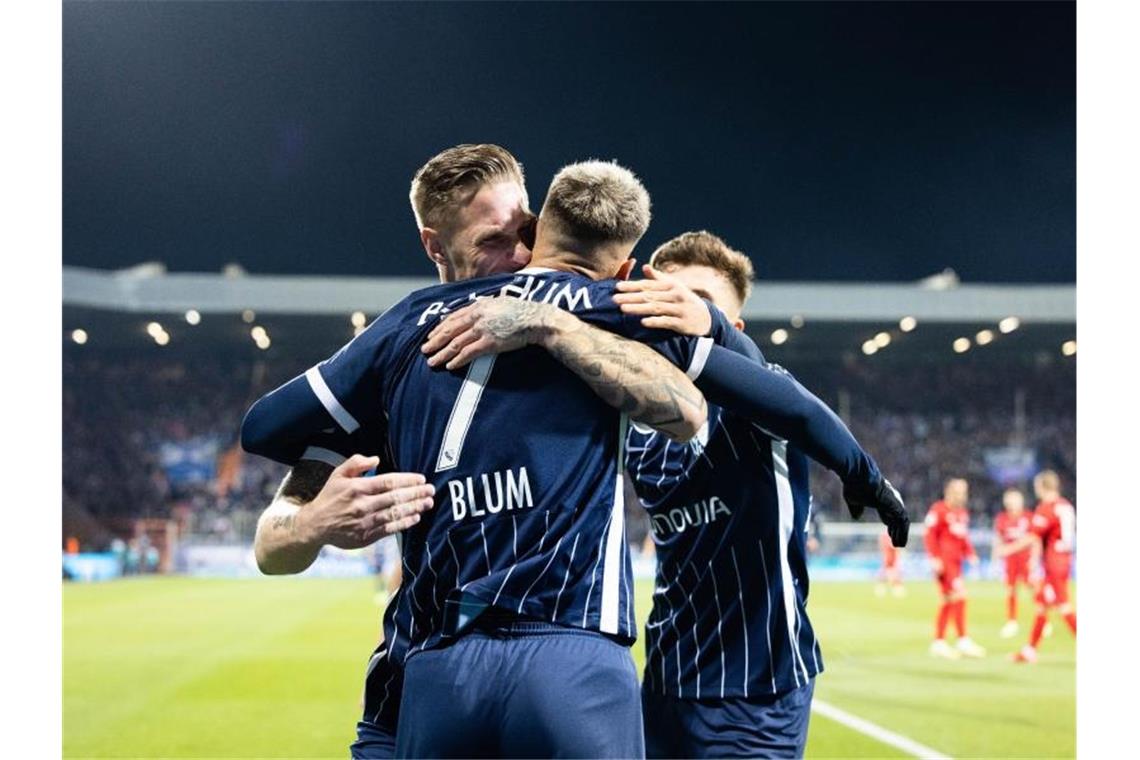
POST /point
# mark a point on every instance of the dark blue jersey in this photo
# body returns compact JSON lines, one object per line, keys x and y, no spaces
{"x":728,"y":514}
{"x":526,"y":461}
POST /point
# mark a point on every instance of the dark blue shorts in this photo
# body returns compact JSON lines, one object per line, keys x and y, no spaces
{"x":774,"y":726}
{"x":522,"y":689}
{"x":376,"y":731}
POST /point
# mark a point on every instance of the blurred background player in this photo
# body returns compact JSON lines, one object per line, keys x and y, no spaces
{"x":1055,"y":524}
{"x":1010,"y":529}
{"x":947,"y":542}
{"x":891,"y":575}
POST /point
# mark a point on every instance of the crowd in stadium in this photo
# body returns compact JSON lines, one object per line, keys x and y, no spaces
{"x":924,"y":423}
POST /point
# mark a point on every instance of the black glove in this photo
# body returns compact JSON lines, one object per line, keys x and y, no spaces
{"x":886,"y":500}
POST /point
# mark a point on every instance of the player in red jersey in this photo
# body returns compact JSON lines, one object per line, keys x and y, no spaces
{"x":1055,"y":524}
{"x":1010,"y":529}
{"x":947,"y":542}
{"x":890,"y":575}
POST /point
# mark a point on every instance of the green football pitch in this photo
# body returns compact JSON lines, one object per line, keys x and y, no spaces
{"x":181,"y":667}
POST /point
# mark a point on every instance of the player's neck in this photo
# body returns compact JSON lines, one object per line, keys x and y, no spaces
{"x":566,"y":260}
{"x":562,"y":252}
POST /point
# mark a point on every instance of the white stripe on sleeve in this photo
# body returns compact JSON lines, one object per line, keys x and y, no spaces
{"x":347,"y":422}
{"x":318,"y":454}
{"x":700,"y":356}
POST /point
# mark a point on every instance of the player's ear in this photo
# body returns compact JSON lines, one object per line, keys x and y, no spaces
{"x":739,"y":324}
{"x":625,"y":269}
{"x":433,"y":246}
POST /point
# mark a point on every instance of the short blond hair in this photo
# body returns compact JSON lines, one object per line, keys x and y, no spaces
{"x":598,"y":202}
{"x":703,"y":248}
{"x":450,"y":178}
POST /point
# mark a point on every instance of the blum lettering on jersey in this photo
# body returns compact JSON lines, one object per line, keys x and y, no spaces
{"x":490,"y":493}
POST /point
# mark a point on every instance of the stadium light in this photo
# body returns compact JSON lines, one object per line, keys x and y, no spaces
{"x":906,"y":324}
{"x":870,"y":347}
{"x":193,"y":317}
{"x":985,"y":337}
{"x":162,"y":338}
{"x":779,"y":337}
{"x":1009,"y":324}
{"x":248,"y":316}
{"x":961,"y":345}
{"x":797,"y":321}
{"x":258,"y":333}
{"x":79,"y":336}
{"x":264,"y":343}
{"x":1069,"y":348}
{"x":154,"y":329}
{"x":358,"y":319}
{"x":883,"y":339}
{"x":357,"y":330}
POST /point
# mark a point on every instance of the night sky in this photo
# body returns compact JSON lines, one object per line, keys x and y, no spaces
{"x":851,"y":141}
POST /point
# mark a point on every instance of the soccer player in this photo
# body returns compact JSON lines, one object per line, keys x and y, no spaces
{"x":1010,"y":529}
{"x":1055,"y":525}
{"x":948,"y":544}
{"x":522,"y":642}
{"x":471,"y":208}
{"x":731,"y":656}
{"x":890,"y":575}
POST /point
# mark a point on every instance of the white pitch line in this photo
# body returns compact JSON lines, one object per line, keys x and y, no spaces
{"x":899,"y":742}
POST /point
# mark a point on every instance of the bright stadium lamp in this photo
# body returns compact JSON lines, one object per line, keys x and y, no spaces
{"x":883,"y":339}
{"x":870,"y":347}
{"x":1069,"y":348}
{"x":984,"y":337}
{"x":906,"y":324}
{"x":79,"y":336}
{"x":248,"y":316}
{"x":797,"y":321}
{"x":193,"y":317}
{"x":780,"y":336}
{"x":358,"y":319}
{"x":1009,"y":324}
{"x":961,"y":345}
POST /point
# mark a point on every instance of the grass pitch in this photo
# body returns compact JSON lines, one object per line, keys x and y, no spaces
{"x":181,"y":667}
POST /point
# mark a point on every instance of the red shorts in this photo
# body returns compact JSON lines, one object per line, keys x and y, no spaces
{"x":950,"y":579}
{"x":1055,"y":588}
{"x":1016,"y":570}
{"x":890,"y":558}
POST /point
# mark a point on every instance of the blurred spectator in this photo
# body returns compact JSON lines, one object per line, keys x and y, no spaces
{"x":922,"y":422}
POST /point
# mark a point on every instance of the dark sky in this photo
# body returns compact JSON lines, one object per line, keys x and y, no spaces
{"x":829,"y":141}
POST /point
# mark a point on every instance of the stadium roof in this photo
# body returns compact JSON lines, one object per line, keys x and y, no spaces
{"x":138,"y":291}
{"x":309,"y":317}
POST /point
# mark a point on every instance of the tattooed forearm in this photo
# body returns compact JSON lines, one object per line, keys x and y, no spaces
{"x":284,"y":522}
{"x":631,"y":377}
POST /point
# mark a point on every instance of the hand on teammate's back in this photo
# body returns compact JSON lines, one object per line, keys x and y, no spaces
{"x":664,"y":303}
{"x":352,"y":511}
{"x":883,"y":498}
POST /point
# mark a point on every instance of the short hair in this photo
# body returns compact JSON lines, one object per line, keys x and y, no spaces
{"x":1049,"y":480}
{"x":450,"y":178}
{"x":703,"y":248}
{"x":598,"y":202}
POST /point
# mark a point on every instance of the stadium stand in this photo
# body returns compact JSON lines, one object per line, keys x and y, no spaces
{"x":150,"y":428}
